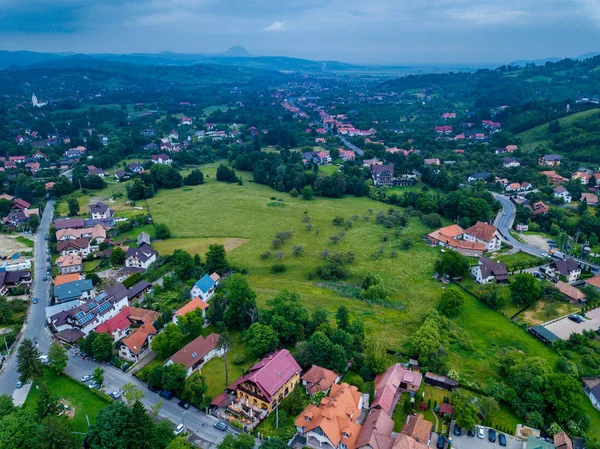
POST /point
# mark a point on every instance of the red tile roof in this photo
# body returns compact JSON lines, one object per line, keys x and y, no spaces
{"x":388,"y":384}
{"x":195,"y":350}
{"x":117,"y":323}
{"x":482,"y":231}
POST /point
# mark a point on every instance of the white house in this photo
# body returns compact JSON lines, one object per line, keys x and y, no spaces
{"x":562,"y":192}
{"x":484,"y":233}
{"x":100,"y":211}
{"x":162,"y":159}
{"x":141,"y":257}
{"x":487,"y":271}
{"x":568,"y":268}
{"x":204,"y":288}
{"x":592,"y":390}
{"x":137,"y":345}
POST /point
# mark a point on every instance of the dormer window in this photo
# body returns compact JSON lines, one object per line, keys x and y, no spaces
{"x":345,"y":435}
{"x":307,"y":418}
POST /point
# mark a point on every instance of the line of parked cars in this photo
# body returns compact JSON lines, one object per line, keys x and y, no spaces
{"x":480,"y":434}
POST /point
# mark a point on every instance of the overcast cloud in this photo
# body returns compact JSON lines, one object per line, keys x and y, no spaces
{"x":359,"y":31}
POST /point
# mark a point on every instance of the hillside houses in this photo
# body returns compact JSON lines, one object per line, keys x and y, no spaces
{"x":484,"y":233}
{"x":550,"y":160}
{"x":161,"y":159}
{"x":195,"y":354}
{"x":487,"y":271}
{"x":451,"y":237}
{"x":140,"y":258}
{"x":562,"y":192}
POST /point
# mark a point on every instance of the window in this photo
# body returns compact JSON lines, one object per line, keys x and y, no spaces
{"x":345,"y":435}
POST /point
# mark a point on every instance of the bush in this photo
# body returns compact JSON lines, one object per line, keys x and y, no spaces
{"x":238,"y":359}
{"x":406,"y":243}
{"x":294,"y":193}
{"x":278,"y":268}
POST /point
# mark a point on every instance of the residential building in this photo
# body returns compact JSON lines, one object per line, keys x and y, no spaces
{"x":569,"y":268}
{"x":121,"y":175}
{"x":540,"y":208}
{"x":433,"y":161}
{"x":451,"y":237}
{"x":333,"y":423}
{"x":487,"y":271}
{"x":584,"y":176}
{"x":136,"y":168}
{"x":383,"y":175}
{"x":196,"y":353}
{"x":319,"y":379}
{"x":70,"y":263}
{"x":513,"y":187}
{"x":204,"y":288}
{"x":562,"y":192}
{"x":509,"y":162}
{"x":347,"y":155}
{"x":573,"y":295}
{"x":562,"y":441}
{"x":194,"y":304}
{"x":591,"y":387}
{"x":391,"y":384}
{"x":377,"y":431}
{"x":484,"y":233}
{"x":97,"y":233}
{"x":511,"y":148}
{"x":70,"y":291}
{"x":481,"y":176}
{"x":117,"y":327}
{"x":64,"y":278}
{"x":554,"y":178}
{"x":66,"y":223}
{"x":141,"y":257}
{"x":137,"y":345}
{"x":162,"y":159}
{"x":418,"y":428}
{"x":537,"y":443}
{"x":139,"y":316}
{"x":269,"y":381}
{"x":80,"y":247}
{"x":100,"y":211}
{"x":93,"y":170}
{"x":13,"y":279}
{"x":593,"y":281}
{"x":550,"y":160}
{"x":589,"y":198}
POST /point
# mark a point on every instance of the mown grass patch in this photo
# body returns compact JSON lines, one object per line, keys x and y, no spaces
{"x":25,"y":241}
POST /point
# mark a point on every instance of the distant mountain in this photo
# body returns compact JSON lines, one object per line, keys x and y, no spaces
{"x":237,"y":51}
{"x":235,"y":56}
{"x":543,"y":61}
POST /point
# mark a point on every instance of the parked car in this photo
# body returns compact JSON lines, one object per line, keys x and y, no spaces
{"x":180,"y":428}
{"x":471,"y":433}
{"x":441,"y":442}
{"x":166,"y":394}
{"x":502,"y":439}
{"x":153,"y":389}
{"x":48,"y":259}
{"x":221,"y":426}
{"x":576,"y":318}
{"x":480,"y":432}
{"x":115,"y":394}
{"x":86,"y":378}
{"x":35,"y":300}
{"x":94,"y":385}
{"x":183,"y":404}
{"x":456,"y":430}
{"x":19,"y":384}
{"x":45,"y":278}
{"x":492,"y":435}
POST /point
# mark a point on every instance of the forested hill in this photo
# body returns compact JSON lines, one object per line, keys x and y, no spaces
{"x":566,"y":79}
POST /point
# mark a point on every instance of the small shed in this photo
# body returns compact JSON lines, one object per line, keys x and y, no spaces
{"x":446,"y":408}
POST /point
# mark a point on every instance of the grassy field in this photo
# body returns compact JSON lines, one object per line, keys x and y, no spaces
{"x":78,"y":396}
{"x":25,"y":241}
{"x":209,"y":110}
{"x":515,"y":258}
{"x":539,"y":135}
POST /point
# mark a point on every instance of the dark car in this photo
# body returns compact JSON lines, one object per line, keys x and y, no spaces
{"x":492,"y":436}
{"x":183,"y":404}
{"x":576,"y":318}
{"x":221,"y":426}
{"x":35,"y":300}
{"x":166,"y":394}
{"x":153,"y":389}
{"x":441,"y":442}
{"x":456,"y":430}
{"x":502,"y":439}
{"x":471,"y":433}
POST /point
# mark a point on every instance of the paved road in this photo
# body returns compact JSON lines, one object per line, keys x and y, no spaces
{"x":197,"y":422}
{"x":34,"y":325}
{"x":351,"y":145}
{"x":504,"y":222}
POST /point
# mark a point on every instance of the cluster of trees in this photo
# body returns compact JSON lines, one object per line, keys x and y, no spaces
{"x":539,"y":393}
{"x":98,"y":346}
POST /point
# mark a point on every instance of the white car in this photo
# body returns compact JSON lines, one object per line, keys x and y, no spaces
{"x":86,"y":378}
{"x":180,"y":428}
{"x":480,"y":432}
{"x":115,"y":394}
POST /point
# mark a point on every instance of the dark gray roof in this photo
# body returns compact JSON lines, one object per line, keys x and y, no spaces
{"x":117,"y":291}
{"x":98,"y":208}
{"x":138,"y":288}
{"x":544,"y":333}
{"x":565,"y":267}
{"x":143,"y":253}
{"x":489,"y":267}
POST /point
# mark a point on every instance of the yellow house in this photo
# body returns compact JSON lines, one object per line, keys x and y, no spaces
{"x":268,"y":381}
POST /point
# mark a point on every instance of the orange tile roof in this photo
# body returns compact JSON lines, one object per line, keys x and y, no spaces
{"x":418,"y":428}
{"x":64,"y":278}
{"x":482,"y":231}
{"x":144,"y":315}
{"x":136,"y":340}
{"x":336,"y":416}
{"x":406,"y":442}
{"x":319,"y":379}
{"x":595,"y":281}
{"x":194,"y":304}
{"x":569,"y":291}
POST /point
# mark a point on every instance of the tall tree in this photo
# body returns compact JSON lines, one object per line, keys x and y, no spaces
{"x":19,"y":430}
{"x":98,"y":375}
{"x":117,"y":256}
{"x":287,"y":316}
{"x":241,"y":309}
{"x":342,"y":317}
{"x":28,"y":365}
{"x":139,"y":427}
{"x":524,"y":289}
{"x":450,"y":302}
{"x":57,"y":433}
{"x":103,"y":347}
{"x":47,"y":402}
{"x":168,"y":341}
{"x":110,"y":430}
{"x":57,"y":358}
{"x":216,"y":259}
{"x":195,"y":390}
{"x":224,"y":343}
{"x":73,"y":207}
{"x":132,"y":394}
{"x":261,"y":339}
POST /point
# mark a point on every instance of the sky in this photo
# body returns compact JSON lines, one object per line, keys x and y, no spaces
{"x":389,"y":32}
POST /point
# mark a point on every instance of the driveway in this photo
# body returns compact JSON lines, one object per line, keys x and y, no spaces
{"x":564,"y":327}
{"x":467,"y":442}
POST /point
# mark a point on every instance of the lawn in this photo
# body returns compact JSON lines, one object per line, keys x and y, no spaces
{"x":328,"y":169}
{"x":195,"y":245}
{"x":25,"y":241}
{"x":78,"y":397}
{"x":91,"y":265}
{"x":399,"y":415}
{"x":514,"y":259}
{"x":114,"y":194}
{"x":209,"y":110}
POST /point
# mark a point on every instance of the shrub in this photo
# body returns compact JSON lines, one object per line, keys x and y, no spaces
{"x":265,"y":255}
{"x":238,"y":359}
{"x":278,"y":268}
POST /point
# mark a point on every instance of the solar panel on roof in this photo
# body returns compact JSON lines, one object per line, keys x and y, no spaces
{"x":79,"y":315}
{"x":92,"y":304}
{"x":105,"y":306}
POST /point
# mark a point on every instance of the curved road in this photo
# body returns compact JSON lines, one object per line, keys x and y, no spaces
{"x":34,"y":327}
{"x":504,"y":222}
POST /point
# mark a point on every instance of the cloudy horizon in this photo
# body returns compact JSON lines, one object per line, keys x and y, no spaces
{"x":375,"y":32}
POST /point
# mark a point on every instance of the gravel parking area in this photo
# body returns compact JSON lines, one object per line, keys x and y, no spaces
{"x":564,"y":327}
{"x":467,"y":442}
